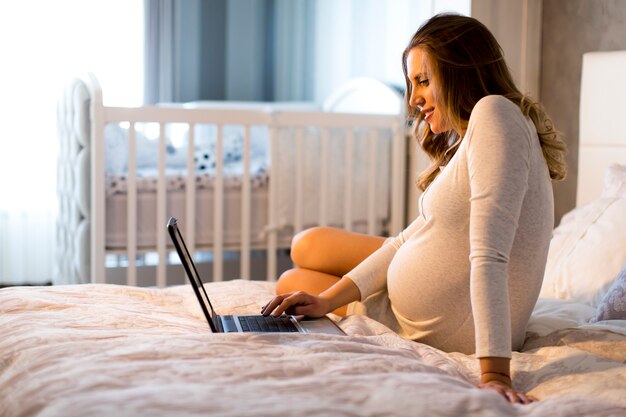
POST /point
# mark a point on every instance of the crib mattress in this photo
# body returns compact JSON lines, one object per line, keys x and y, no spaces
{"x":205,"y":229}
{"x":176,"y":195}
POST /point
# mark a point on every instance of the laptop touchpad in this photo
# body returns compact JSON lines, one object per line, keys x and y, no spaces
{"x":321,"y":325}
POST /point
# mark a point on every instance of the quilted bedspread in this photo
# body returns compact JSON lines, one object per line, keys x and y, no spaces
{"x":105,"y":350}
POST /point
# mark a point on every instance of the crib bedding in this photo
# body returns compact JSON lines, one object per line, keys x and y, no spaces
{"x":176,"y":173}
{"x":176,"y":200}
{"x":116,"y":235}
{"x":115,"y":350}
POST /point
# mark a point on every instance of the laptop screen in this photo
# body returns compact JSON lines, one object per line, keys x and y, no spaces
{"x":192,"y":273}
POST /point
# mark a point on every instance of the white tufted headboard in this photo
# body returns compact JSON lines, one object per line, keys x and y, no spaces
{"x":602,"y":139}
{"x":73,"y":181}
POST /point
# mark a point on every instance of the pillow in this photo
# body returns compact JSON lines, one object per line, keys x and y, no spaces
{"x":115,"y":149}
{"x":613,"y":305}
{"x":587,"y":250}
{"x":614,"y":181}
{"x":205,"y":155}
{"x":147,"y":150}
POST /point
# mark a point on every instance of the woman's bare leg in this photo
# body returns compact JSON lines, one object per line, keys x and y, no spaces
{"x":322,"y":256}
{"x":333,"y":251}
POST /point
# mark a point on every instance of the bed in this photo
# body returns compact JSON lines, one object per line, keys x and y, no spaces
{"x":102,"y":349}
{"x":122,"y":172}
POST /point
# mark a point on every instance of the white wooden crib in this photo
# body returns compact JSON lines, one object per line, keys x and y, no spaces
{"x":340,"y":165}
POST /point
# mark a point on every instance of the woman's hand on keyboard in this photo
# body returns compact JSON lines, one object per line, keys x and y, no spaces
{"x":298,"y":303}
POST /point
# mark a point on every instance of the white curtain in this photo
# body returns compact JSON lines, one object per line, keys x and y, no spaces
{"x":44,"y":44}
{"x":27,"y":245}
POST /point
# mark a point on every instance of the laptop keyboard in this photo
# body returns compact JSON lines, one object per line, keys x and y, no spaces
{"x":282,"y":324}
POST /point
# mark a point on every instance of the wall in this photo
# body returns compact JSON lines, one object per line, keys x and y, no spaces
{"x":570,"y":28}
{"x":365,"y":38}
{"x":516,"y":24}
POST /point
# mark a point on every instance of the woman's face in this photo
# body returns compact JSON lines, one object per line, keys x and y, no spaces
{"x":425,"y":91}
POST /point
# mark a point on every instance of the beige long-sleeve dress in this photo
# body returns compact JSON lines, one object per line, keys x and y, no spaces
{"x":466,"y":274}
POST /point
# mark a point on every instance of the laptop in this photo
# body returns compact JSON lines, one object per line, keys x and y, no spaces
{"x":244,"y":322}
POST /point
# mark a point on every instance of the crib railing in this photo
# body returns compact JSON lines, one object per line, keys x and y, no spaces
{"x":101,"y":116}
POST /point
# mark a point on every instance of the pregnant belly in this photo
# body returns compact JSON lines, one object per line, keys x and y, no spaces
{"x":426,"y":282}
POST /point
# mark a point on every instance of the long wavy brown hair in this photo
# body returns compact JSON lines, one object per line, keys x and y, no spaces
{"x":468,"y":62}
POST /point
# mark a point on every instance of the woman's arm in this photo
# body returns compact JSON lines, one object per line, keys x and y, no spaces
{"x":498,"y":159}
{"x":499,"y":163}
{"x":343,"y":292}
{"x":299,"y":303}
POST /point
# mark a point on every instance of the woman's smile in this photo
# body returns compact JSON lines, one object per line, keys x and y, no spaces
{"x":425,"y":90}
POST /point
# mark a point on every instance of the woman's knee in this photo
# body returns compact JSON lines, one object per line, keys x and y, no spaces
{"x":306,"y":246}
{"x":288,"y":281}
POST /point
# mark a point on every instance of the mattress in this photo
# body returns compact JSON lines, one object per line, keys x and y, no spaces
{"x":103,"y":350}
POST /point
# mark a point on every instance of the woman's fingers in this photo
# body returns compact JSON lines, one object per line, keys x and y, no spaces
{"x":531,"y":398}
{"x":273,"y":303}
{"x":281,"y":303}
{"x":298,"y":303}
{"x":510,"y":394}
{"x":517,"y":397}
{"x":290,"y":303}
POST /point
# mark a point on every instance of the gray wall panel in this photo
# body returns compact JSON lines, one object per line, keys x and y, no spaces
{"x":571,"y":28}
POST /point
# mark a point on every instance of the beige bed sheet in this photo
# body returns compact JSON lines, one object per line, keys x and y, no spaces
{"x":126,"y":351}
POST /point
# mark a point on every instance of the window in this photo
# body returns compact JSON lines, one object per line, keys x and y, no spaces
{"x":44,"y":44}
